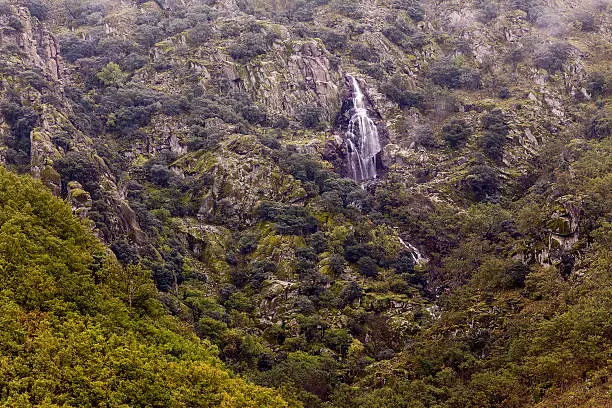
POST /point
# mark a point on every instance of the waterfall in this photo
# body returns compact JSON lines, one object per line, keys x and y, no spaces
{"x":416,"y":254}
{"x":361,"y":138}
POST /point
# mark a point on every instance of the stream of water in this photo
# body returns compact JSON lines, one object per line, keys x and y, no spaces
{"x":416,"y":254}
{"x":362,"y":138}
{"x":363,"y":146}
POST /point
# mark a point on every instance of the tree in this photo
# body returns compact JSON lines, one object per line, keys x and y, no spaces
{"x":597,"y":84}
{"x":111,"y":75}
{"x":599,"y":127}
{"x":200,"y":33}
{"x":247,"y":243}
{"x":495,"y":131}
{"x":249,"y":46}
{"x":423,"y":135}
{"x":350,"y":293}
{"x":338,"y":340}
{"x":22,"y":120}
{"x":397,"y":91}
{"x":74,"y":337}
{"x":160,"y":174}
{"x":367,"y":267}
{"x":133,"y":284}
{"x":79,"y":166}
{"x":364,"y":53}
{"x":445,"y":73}
{"x":337,"y":264}
{"x":451,"y":74}
{"x":37,"y":9}
{"x":481,"y":182}
{"x":456,"y":132}
{"x":6,"y":8}
{"x":404,"y":263}
{"x":585,"y":19}
{"x":288,"y":220}
{"x":74,"y":48}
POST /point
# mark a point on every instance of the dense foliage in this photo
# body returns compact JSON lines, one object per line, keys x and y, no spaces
{"x":68,"y":339}
{"x":203,"y":142}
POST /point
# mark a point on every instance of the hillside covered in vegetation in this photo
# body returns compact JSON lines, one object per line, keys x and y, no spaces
{"x":78,"y":329}
{"x":319,"y":203}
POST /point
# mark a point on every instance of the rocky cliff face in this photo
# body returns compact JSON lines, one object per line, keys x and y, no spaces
{"x":295,"y":74}
{"x":38,"y":46}
{"x":31,"y":48}
{"x":33,"y":84}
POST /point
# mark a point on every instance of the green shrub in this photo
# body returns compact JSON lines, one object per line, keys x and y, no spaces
{"x":111,"y":75}
{"x":423,"y":136}
{"x":354,"y":251}
{"x":416,"y":12}
{"x":289,"y":220}
{"x":22,"y":120}
{"x":203,"y":138}
{"x":333,"y":40}
{"x":350,"y":293}
{"x":367,"y":267}
{"x":35,"y":78}
{"x":147,"y":35}
{"x":585,"y":19}
{"x":481,"y":182}
{"x":364,"y":53}
{"x":337,"y":264}
{"x":5,"y":8}
{"x":347,"y":8}
{"x":81,"y":167}
{"x":396,"y":90}
{"x":395,"y":35}
{"x":600,"y":126}
{"x":596,"y":84}
{"x":494,"y":137}
{"x":552,"y":56}
{"x":37,"y":9}
{"x":338,"y":340}
{"x":247,"y":243}
{"x":209,"y":106}
{"x":305,"y":260}
{"x":304,"y":305}
{"x":73,"y":48}
{"x":311,"y":116}
{"x":456,"y":132}
{"x":250,"y":111}
{"x":404,"y":263}
{"x":374,"y":70}
{"x":313,"y":284}
{"x":488,"y":11}
{"x":301,"y":10}
{"x":200,"y":33}
{"x":15,"y":22}
{"x":248,"y":46}
{"x":448,"y":74}
{"x":271,"y":142}
{"x":412,"y":7}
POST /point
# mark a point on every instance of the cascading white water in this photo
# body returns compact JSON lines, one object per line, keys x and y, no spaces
{"x":361,"y":138}
{"x":416,"y":254}
{"x":363,"y":146}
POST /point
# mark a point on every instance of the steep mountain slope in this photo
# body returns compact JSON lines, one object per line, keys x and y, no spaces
{"x":206,"y":142}
{"x":68,"y":339}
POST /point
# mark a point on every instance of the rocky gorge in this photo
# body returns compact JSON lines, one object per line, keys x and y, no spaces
{"x":369,"y":203}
